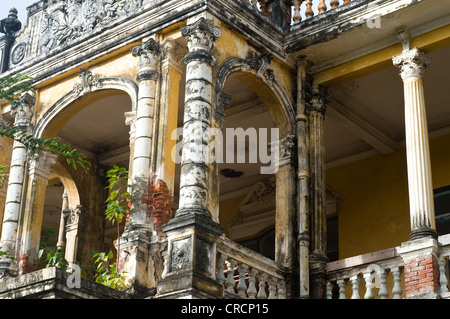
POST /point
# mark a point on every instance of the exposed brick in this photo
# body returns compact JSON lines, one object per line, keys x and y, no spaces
{"x":421,"y":275}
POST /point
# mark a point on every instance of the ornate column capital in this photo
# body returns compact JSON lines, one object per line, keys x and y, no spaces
{"x":201,"y":35}
{"x":149,"y":55}
{"x":23,"y":110}
{"x":319,"y":100}
{"x":412,"y":63}
{"x":41,"y":163}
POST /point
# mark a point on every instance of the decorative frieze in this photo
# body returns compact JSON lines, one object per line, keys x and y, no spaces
{"x":78,"y":19}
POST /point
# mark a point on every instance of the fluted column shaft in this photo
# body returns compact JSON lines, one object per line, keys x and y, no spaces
{"x":318,"y":232}
{"x":412,"y":64}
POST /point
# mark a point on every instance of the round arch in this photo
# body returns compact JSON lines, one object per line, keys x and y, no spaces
{"x":255,"y":73}
{"x":47,"y":126}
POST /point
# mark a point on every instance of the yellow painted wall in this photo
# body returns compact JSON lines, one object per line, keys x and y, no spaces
{"x":373,"y":207}
{"x":229,"y":210}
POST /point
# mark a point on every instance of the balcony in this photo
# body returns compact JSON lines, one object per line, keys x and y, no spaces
{"x":380,"y":275}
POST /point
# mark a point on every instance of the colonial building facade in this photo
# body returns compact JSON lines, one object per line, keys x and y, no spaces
{"x":275,"y":149}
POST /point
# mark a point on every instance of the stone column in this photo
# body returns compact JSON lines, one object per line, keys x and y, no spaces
{"x":412,"y":64}
{"x":139,"y":231}
{"x":171,"y":75}
{"x":149,"y":56}
{"x":318,"y":246}
{"x":76,"y":224}
{"x":303,"y":179}
{"x":420,"y":253}
{"x":62,"y":222}
{"x":39,"y":167}
{"x":285,"y":241}
{"x":23,"y":112}
{"x":192,"y":233}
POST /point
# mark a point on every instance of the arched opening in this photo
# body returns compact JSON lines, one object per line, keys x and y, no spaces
{"x":95,"y":125}
{"x":254,"y":121}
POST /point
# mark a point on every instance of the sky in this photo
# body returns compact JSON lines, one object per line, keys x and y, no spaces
{"x":20,"y":5}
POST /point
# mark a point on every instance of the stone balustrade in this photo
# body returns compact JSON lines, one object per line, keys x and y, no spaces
{"x":298,"y":10}
{"x":375,"y":275}
{"x":444,"y":256}
{"x":380,"y":275}
{"x":246,"y":274}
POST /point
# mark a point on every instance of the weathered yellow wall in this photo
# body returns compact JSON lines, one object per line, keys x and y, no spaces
{"x":373,"y":208}
{"x":50,"y":92}
{"x":229,"y":210}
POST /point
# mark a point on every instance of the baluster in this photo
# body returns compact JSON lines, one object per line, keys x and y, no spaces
{"x":309,"y":13}
{"x":297,"y":17}
{"x":341,"y":283}
{"x":329,"y":290}
{"x":251,"y":291}
{"x":229,"y":283}
{"x":242,"y":287}
{"x":334,"y":3}
{"x":322,"y":6}
{"x":272,"y":288}
{"x":263,"y":6}
{"x":220,"y":269}
{"x":281,"y":290}
{"x":166,"y":264}
{"x":369,"y":286}
{"x":355,"y":286}
{"x":262,"y":287}
{"x":382,"y":293}
{"x":443,"y":281}
{"x":397,"y":289}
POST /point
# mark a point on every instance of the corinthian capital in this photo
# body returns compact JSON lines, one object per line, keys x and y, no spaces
{"x":412,"y":63}
{"x":148,"y":53}
{"x":41,"y":163}
{"x":201,"y":35}
{"x":319,"y":100}
{"x":22,"y":110}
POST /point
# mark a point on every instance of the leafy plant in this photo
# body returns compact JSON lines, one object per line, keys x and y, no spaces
{"x":54,"y":257}
{"x":53,"y":145}
{"x":12,"y":86}
{"x":107,"y":274}
{"x":5,"y":254}
{"x":50,"y":254}
{"x":117,"y":203}
{"x":3,"y":175}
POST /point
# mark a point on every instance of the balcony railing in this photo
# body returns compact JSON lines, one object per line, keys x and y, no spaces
{"x":296,"y":11}
{"x":246,"y":274}
{"x":379,"y":275}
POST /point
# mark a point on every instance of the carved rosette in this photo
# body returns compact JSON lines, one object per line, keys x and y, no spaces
{"x":412,"y":63}
{"x":22,"y":110}
{"x":200,"y":35}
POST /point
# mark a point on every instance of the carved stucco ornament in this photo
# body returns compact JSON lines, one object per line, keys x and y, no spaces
{"x":80,"y":19}
{"x":88,"y":81}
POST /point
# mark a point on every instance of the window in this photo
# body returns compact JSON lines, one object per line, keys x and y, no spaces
{"x":442,"y":209}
